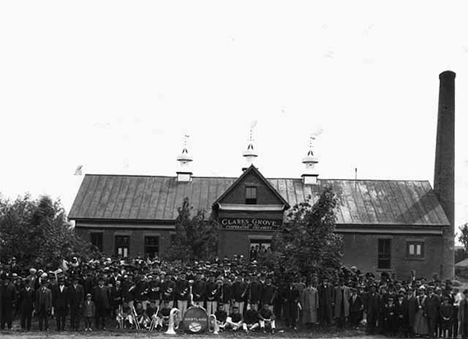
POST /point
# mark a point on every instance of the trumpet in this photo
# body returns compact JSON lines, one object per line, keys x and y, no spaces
{"x":154,"y":320}
{"x":135,"y":317}
{"x":215,"y":324}
{"x":172,"y":323}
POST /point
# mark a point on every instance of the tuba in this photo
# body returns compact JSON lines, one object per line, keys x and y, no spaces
{"x":173,"y":325}
{"x":215,"y":324}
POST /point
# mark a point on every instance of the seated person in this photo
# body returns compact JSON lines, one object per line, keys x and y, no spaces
{"x":221,"y":316}
{"x":163,"y":315}
{"x":266,"y":316}
{"x":127,"y":316}
{"x":250,"y":319}
{"x":234,"y":320}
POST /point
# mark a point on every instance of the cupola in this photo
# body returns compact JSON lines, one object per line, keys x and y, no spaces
{"x":184,"y":172}
{"x":309,"y":177}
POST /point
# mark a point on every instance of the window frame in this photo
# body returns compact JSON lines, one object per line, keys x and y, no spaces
{"x":152,"y":246}
{"x":123,"y":247}
{"x":415,"y":256}
{"x":101,"y":235}
{"x":382,"y":254}
{"x":251,"y":199}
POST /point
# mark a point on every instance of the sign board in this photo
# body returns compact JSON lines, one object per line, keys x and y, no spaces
{"x":250,"y":223}
{"x":195,"y":320}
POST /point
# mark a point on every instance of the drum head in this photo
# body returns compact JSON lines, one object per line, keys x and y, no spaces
{"x":195,"y":320}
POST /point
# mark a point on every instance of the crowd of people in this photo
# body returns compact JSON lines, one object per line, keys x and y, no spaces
{"x":140,"y":294}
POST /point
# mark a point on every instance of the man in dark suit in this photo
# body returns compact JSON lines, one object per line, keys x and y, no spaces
{"x":372,"y":308}
{"x":60,"y":303}
{"x":290,"y":301}
{"x":101,"y":296}
{"x":7,"y":300}
{"x":432,"y":311}
{"x":356,"y":307}
{"x":43,"y":305}
{"x":75,"y":301}
{"x":26,"y":305}
{"x":326,"y":298}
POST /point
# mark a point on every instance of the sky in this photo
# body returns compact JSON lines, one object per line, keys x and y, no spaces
{"x":116,"y":85}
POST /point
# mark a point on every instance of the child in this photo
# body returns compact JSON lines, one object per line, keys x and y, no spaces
{"x":89,"y":311}
{"x":446,"y":315}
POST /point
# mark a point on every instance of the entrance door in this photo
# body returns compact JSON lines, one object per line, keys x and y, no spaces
{"x":258,"y":247}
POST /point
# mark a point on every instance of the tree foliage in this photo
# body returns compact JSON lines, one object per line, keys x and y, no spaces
{"x":196,"y":237}
{"x":463,"y":237}
{"x":37,"y":232}
{"x":309,"y":244}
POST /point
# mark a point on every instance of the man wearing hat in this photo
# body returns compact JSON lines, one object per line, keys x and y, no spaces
{"x":356,"y":307}
{"x":60,"y":303}
{"x":213,"y":292}
{"x":75,"y":300}
{"x":7,"y":299}
{"x":43,"y":304}
{"x":432,"y":311}
{"x":101,"y":297}
{"x":342,"y":295}
{"x":26,"y":305}
{"x":182,"y":292}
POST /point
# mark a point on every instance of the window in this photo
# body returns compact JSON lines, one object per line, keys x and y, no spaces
{"x":250,"y":195}
{"x":151,"y":246}
{"x":122,"y":245}
{"x":96,"y":240}
{"x":415,"y":250}
{"x":259,"y":247}
{"x":384,"y":255}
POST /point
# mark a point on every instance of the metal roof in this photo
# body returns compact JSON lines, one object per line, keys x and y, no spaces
{"x":157,"y":198}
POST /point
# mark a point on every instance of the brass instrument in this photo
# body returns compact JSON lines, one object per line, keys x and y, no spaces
{"x":173,"y":325}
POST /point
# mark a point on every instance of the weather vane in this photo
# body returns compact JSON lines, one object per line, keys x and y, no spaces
{"x":186,"y":136}
{"x":252,"y":126}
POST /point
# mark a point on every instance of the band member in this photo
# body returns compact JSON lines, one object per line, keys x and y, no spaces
{"x":235,"y":319}
{"x":182,"y":292}
{"x":43,"y":305}
{"x":154,"y":289}
{"x":250,"y":319}
{"x":26,"y":300}
{"x":254,"y":293}
{"x":239,"y":293}
{"x":199,"y":291}
{"x":221,"y":315}
{"x":168,"y":289}
{"x":213,"y":291}
{"x":226,"y":294}
{"x":60,"y":303}
{"x":163,"y":314}
{"x":266,"y":317}
{"x":269,"y":293}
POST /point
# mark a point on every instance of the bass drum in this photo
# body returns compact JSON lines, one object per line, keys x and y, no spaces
{"x":195,"y":320}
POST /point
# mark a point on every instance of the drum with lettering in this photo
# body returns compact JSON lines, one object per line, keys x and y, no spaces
{"x":195,"y":320}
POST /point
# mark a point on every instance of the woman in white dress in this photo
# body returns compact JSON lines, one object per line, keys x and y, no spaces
{"x":421,"y":327}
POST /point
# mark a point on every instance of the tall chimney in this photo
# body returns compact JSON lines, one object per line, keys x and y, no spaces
{"x":444,"y":170}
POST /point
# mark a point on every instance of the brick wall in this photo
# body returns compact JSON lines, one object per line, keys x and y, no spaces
{"x":361,"y":250}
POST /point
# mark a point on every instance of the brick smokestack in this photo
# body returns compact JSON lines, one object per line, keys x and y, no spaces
{"x":444,"y":171}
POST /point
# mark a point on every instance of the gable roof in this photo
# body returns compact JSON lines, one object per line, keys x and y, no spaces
{"x":125,"y":198}
{"x":252,"y":168}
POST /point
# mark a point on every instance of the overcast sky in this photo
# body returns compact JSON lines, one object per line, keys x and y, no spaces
{"x":116,"y":85}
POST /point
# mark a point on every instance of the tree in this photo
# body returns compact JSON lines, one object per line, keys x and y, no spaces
{"x":37,"y":232}
{"x":196,"y":237}
{"x":463,"y":237}
{"x":308,"y":244}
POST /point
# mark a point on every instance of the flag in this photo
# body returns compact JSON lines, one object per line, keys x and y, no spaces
{"x":79,"y":170}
